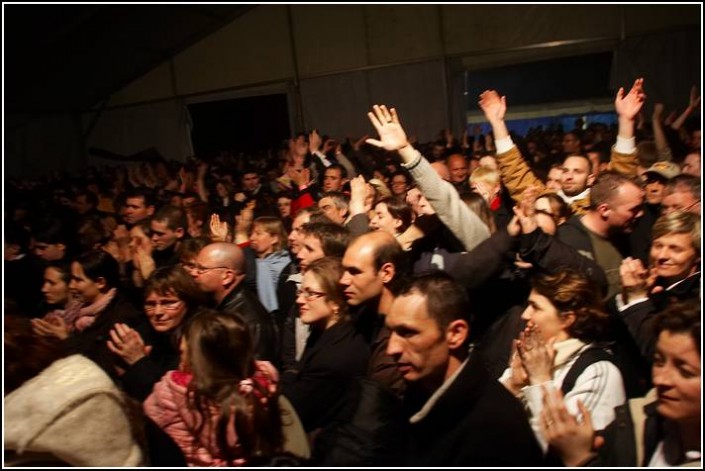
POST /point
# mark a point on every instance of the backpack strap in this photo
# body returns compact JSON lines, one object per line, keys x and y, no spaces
{"x":586,"y":358}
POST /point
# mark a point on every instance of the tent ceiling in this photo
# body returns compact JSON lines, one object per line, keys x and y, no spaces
{"x":63,"y":58}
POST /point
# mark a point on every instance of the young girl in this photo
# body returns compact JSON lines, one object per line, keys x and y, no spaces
{"x":221,"y":407}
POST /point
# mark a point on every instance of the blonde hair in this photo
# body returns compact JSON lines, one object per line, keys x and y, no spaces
{"x":678,"y":222}
{"x":485,"y":175}
{"x":274,"y":227}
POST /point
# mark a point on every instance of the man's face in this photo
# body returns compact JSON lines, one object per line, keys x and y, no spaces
{"x":673,"y":256}
{"x":309,"y":251}
{"x":250,"y":181}
{"x":571,"y":144}
{"x":208,"y":272}
{"x":458,"y":169}
{"x":49,"y":252}
{"x":295,"y":236}
{"x":399,"y":186}
{"x":416,"y":343}
{"x":332,"y":180}
{"x":691,"y":165}
{"x":625,"y":208}
{"x":81,"y":204}
{"x":655,"y":184}
{"x":135,"y":210}
{"x":680,"y":201}
{"x":576,"y":173}
{"x":328,"y":207}
{"x":163,"y":237}
{"x":361,"y":280}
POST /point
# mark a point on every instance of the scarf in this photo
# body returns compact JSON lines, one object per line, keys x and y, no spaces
{"x":86,"y":315}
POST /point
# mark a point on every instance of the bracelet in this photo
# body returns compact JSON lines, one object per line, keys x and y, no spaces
{"x":414,"y":163}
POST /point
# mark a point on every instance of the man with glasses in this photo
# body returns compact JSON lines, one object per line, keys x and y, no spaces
{"x":219,"y":270}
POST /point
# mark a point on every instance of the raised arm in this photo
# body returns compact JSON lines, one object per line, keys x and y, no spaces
{"x":624,"y":158}
{"x":692,"y":106}
{"x":664,"y":150}
{"x":464,"y":223}
{"x":515,"y":173}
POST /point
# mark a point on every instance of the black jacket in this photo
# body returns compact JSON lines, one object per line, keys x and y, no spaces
{"x":92,"y":342}
{"x":475,"y":422}
{"x":331,"y":360}
{"x":241,"y":302}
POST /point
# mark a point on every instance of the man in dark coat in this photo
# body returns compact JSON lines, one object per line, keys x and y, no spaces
{"x":219,"y":272}
{"x":459,"y":415}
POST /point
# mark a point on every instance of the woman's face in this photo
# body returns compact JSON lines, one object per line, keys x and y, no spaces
{"x":676,"y":376}
{"x":383,"y":220}
{"x":673,"y":256}
{"x":261,"y":241}
{"x":138,"y":238}
{"x":544,"y":314}
{"x":314,"y":306}
{"x":55,"y":289}
{"x":164,"y":311}
{"x":222,"y":190}
{"x":82,"y":287}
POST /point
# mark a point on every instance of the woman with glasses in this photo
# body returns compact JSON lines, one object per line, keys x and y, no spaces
{"x":152,"y":349}
{"x":335,"y":353}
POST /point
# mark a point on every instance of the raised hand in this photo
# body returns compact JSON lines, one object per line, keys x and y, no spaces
{"x":629,"y":105}
{"x":127,"y":344}
{"x":574,"y":441}
{"x":357,"y":144}
{"x":494,"y":106}
{"x":314,"y":141}
{"x":657,"y":113}
{"x":219,"y":229}
{"x":694,"y":98}
{"x":386,"y":121}
{"x":358,"y":196}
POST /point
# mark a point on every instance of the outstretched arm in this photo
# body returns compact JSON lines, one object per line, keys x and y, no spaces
{"x":692,"y":106}
{"x":515,"y":173}
{"x":624,"y":158}
{"x":464,"y":223}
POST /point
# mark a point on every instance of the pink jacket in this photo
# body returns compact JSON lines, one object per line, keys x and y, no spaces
{"x":168,"y":407}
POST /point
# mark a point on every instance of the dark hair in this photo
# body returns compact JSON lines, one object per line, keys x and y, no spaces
{"x":147,"y":195}
{"x":446,"y":300}
{"x":221,"y":355}
{"x":174,"y":279}
{"x":572,"y":292}
{"x":52,"y":231}
{"x":174,"y":217}
{"x":15,"y":234}
{"x":399,"y":209}
{"x":334,"y":237}
{"x":98,"y":264}
{"x":190,"y":247}
{"x":91,"y":197}
{"x":63,"y":267}
{"x":681,"y":318}
{"x":340,"y":168}
{"x":392,"y":252}
{"x":26,"y":353}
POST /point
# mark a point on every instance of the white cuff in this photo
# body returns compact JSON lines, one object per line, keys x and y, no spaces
{"x":504,"y":144}
{"x":625,"y":145}
{"x":621,"y":307}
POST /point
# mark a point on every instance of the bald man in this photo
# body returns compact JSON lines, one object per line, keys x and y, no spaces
{"x":219,"y":271}
{"x":458,"y":170}
{"x":373,"y":265}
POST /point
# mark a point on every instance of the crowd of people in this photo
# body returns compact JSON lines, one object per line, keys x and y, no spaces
{"x":493,"y":300}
